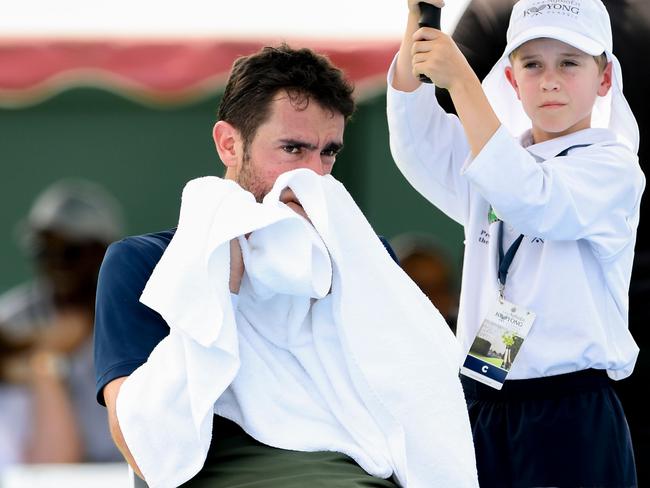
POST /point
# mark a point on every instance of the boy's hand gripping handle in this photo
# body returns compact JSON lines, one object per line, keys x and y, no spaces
{"x":429,"y":17}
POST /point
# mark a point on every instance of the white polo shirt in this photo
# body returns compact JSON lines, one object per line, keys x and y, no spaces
{"x":579,"y":216}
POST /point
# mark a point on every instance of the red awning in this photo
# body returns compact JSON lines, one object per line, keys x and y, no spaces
{"x":158,"y":72}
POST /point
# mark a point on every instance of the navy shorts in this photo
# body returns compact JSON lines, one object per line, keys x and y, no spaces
{"x":566,"y":431}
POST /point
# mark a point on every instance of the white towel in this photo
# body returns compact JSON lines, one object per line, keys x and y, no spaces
{"x":332,"y":346}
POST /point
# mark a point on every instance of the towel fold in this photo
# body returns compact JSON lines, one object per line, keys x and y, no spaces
{"x":332,"y":346}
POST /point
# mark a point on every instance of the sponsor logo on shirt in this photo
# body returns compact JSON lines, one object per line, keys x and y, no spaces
{"x":492,"y":216}
{"x":484,"y":237}
{"x":537,"y":240}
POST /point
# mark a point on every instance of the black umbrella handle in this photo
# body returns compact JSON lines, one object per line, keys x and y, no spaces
{"x":429,"y":17}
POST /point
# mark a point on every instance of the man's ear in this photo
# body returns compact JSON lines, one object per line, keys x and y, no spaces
{"x":606,"y":80}
{"x":227,"y":140}
{"x":510,"y":76}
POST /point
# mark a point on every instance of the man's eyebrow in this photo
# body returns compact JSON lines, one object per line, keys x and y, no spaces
{"x":297,"y":143}
{"x":334,"y":146}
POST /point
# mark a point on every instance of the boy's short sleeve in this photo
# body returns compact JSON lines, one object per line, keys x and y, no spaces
{"x":126,"y":331}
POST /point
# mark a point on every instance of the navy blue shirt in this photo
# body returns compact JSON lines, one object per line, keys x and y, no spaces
{"x":126,"y":331}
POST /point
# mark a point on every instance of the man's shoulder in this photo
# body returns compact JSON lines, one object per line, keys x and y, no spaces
{"x":132,"y":259}
{"x":153,"y":243}
{"x":145,"y":248}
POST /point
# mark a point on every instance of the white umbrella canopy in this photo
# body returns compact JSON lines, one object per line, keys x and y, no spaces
{"x":281,"y":19}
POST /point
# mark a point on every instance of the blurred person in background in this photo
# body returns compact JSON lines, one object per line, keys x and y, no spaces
{"x":48,"y":412}
{"x":480,"y":35}
{"x":429,"y":266}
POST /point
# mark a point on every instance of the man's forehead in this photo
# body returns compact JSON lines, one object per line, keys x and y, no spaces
{"x":289,"y":118}
{"x":299,"y":101}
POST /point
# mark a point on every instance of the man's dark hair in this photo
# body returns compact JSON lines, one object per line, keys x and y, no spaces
{"x":256,"y":79}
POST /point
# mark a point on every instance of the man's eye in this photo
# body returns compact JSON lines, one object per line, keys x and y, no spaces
{"x":569,"y":63}
{"x":330,"y":153}
{"x":531,"y":65}
{"x":291,"y":149}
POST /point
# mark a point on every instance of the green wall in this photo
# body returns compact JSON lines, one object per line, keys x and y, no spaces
{"x":390,"y":203}
{"x":144,"y":156}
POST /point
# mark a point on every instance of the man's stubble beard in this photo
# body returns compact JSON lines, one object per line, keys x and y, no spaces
{"x":249,"y":180}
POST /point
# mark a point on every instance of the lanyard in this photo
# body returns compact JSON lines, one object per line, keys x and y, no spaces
{"x":505,"y":260}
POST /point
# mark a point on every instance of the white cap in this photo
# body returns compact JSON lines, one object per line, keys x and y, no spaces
{"x":583,"y":24}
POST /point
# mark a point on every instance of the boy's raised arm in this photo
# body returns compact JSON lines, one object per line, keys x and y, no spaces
{"x":433,"y":53}
{"x":404,"y":79}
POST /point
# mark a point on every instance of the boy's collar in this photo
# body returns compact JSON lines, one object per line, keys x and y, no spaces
{"x":551,"y":148}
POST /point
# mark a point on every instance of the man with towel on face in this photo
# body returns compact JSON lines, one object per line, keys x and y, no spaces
{"x":270,"y":339}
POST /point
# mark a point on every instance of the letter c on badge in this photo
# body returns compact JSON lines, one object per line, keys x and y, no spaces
{"x":484,"y":369}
